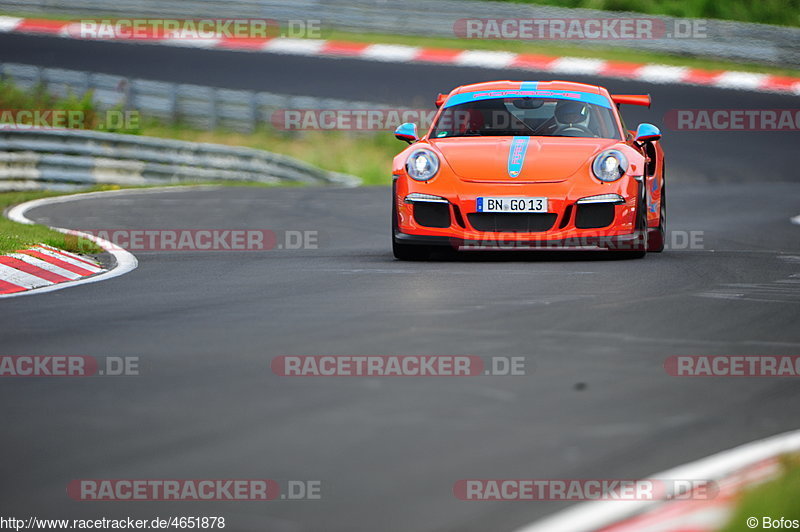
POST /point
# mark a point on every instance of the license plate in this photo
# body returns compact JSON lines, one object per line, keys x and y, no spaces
{"x":511,"y":205}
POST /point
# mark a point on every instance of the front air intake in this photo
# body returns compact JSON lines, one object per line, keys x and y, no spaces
{"x":432,"y":214}
{"x":512,"y":222}
{"x":594,"y":215}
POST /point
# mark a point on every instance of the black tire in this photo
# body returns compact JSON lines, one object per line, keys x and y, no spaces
{"x":657,"y":238}
{"x":638,"y":248}
{"x":410,"y":251}
{"x":405,"y":251}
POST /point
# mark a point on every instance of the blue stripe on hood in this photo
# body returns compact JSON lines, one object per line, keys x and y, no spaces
{"x":516,"y":155}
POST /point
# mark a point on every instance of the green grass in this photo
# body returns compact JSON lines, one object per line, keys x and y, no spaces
{"x":15,"y":236}
{"x":47,"y":16}
{"x":775,"y":499}
{"x":13,"y":98}
{"x":780,"y":12}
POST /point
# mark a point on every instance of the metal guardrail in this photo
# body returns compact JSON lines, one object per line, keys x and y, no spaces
{"x":724,"y":39}
{"x":69,"y":159}
{"x":194,"y":105}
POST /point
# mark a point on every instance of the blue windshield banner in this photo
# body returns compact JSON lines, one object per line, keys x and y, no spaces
{"x":528,"y":90}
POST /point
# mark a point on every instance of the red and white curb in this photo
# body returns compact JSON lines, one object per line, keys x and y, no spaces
{"x":42,"y":266}
{"x":733,"y":471}
{"x":651,"y":73}
{"x":45,"y":269}
{"x":702,"y":515}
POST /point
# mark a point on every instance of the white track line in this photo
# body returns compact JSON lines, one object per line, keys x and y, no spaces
{"x":46,"y":266}
{"x":125,"y":261}
{"x":592,"y":516}
{"x":796,"y":220}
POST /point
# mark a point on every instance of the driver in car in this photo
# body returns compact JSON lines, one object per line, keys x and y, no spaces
{"x":572,"y":119}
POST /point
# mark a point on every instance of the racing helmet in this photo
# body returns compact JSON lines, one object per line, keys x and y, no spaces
{"x":571,"y":113}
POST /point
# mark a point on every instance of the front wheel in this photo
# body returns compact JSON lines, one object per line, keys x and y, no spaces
{"x":639,"y":246}
{"x":410,"y":251}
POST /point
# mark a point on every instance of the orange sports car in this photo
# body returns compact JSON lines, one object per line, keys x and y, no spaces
{"x":529,"y":165}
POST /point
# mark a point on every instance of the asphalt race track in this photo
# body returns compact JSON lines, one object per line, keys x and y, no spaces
{"x":595,"y":332}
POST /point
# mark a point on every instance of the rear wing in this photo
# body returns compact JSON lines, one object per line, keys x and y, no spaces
{"x":619,"y":99}
{"x":632,"y":99}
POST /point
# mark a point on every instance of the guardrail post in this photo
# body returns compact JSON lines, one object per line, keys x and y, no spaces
{"x":87,"y":83}
{"x":254,"y":114}
{"x":173,"y":102}
{"x":214,"y":119}
{"x":127,"y":91}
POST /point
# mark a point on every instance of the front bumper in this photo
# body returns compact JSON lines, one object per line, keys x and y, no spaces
{"x":610,"y":242}
{"x":567,"y":224}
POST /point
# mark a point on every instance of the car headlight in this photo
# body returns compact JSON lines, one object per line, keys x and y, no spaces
{"x":610,"y":165}
{"x":422,"y":164}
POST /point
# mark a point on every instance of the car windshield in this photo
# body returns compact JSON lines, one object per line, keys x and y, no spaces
{"x":545,"y":117}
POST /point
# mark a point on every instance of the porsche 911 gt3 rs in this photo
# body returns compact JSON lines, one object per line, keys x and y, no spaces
{"x":529,"y":165}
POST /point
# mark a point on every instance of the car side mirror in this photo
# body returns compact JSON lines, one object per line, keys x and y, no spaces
{"x":407,"y":132}
{"x":647,"y":133}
